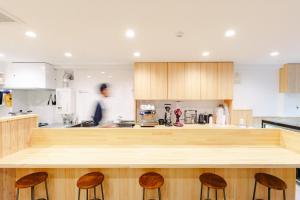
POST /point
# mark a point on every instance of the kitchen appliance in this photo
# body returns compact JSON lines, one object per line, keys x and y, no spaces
{"x":161,"y":122}
{"x":125,"y":124}
{"x":148,"y":116}
{"x":178,"y":113}
{"x":168,"y":115}
{"x":201,"y":119}
{"x":190,"y":116}
{"x":220,"y":115}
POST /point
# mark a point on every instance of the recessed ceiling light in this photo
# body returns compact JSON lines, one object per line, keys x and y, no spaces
{"x":2,"y":55}
{"x":30,"y":34}
{"x":206,"y":53}
{"x":274,"y":53}
{"x":68,"y":54}
{"x":230,"y":33}
{"x":130,"y":33}
{"x":89,"y":76}
{"x":102,"y":72}
{"x":136,"y":54}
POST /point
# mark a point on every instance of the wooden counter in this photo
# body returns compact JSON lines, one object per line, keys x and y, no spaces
{"x":180,"y":155}
{"x":154,"y":157}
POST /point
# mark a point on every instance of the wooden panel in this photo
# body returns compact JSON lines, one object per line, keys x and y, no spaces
{"x":209,"y":80}
{"x":290,"y":140}
{"x":155,"y":136}
{"x":283,"y":80}
{"x":192,"y":81}
{"x":176,"y":81}
{"x":142,"y":80}
{"x":159,"y":81}
{"x":122,"y":184}
{"x":247,"y":115}
{"x":225,"y":80}
{"x":15,"y":135}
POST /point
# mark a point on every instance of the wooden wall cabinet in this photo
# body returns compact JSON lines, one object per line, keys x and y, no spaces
{"x":289,"y":78}
{"x":184,"y":81}
{"x":151,"y":81}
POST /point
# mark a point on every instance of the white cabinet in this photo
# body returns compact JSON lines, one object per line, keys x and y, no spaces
{"x":30,"y":76}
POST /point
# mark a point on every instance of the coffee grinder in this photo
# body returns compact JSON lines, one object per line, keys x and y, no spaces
{"x":168,"y":115}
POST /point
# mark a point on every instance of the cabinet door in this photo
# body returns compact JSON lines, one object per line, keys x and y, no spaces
{"x":25,"y":75}
{"x":225,"y":80}
{"x":159,"y":81}
{"x":192,"y":81}
{"x":142,"y":80}
{"x":176,"y":81}
{"x":209,"y":80}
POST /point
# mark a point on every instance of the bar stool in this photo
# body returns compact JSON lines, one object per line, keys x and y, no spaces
{"x":271,"y":182}
{"x":151,"y":180}
{"x":30,"y":181}
{"x":91,"y":181}
{"x":212,"y":181}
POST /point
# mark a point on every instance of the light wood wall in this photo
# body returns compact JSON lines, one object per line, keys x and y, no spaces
{"x":156,"y":136}
{"x":15,"y":134}
{"x":247,"y":115}
{"x":180,"y":184}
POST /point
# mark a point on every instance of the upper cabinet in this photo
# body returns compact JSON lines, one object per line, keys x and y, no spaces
{"x":289,"y":78}
{"x":183,"y":81}
{"x":225,"y":80}
{"x":30,"y":76}
{"x":151,"y":81}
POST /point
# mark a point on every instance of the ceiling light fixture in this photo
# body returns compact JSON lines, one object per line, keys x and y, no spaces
{"x":137,"y":54}
{"x":274,"y":53}
{"x":30,"y":34}
{"x":230,"y":33}
{"x":102,"y":72}
{"x":68,"y":54}
{"x":130,"y":33}
{"x":2,"y":55}
{"x":206,"y":53}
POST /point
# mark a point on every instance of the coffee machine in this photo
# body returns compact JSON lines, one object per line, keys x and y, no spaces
{"x":168,"y":115}
{"x":148,"y":116}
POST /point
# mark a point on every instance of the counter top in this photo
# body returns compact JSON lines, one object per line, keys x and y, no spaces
{"x":153,"y":157}
{"x":17,"y":117}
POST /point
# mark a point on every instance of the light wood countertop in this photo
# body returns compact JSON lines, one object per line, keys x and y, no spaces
{"x":153,"y":157}
{"x":17,"y":117}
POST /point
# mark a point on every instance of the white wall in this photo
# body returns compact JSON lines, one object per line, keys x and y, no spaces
{"x":258,"y":90}
{"x":86,"y":83}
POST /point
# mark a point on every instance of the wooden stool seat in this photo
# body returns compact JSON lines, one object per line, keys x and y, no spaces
{"x":31,"y":180}
{"x":213,"y":181}
{"x":270,"y":181}
{"x":151,"y":180}
{"x":90,"y":180}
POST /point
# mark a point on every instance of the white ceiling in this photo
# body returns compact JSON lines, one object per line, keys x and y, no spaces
{"x":93,"y":30}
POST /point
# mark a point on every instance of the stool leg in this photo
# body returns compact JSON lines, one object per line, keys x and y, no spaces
{"x":17,"y":195}
{"x":269,"y":193}
{"x":32,"y":193}
{"x":253,"y":198}
{"x":102,"y":192}
{"x":224,"y":194}
{"x":87,"y":194}
{"x":284,"y":197}
{"x":208,"y":193}
{"x":201,"y":191}
{"x":78,"y":193}
{"x":95,"y":195}
{"x":216,"y":194}
{"x":159,"y":194}
{"x":46,"y":187}
{"x":143,"y":193}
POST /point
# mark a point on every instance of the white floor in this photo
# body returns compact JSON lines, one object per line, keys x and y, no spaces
{"x":297,"y":191}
